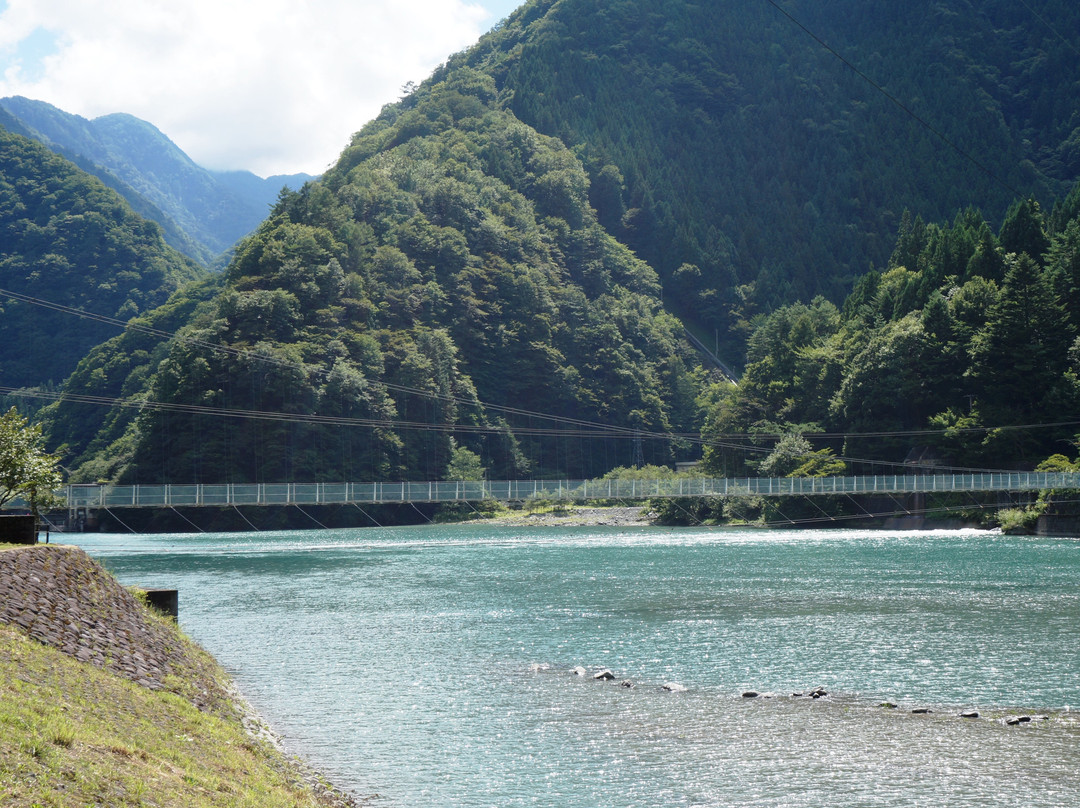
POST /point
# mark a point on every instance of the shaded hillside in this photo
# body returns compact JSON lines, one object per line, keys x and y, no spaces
{"x":445,"y":282}
{"x":67,"y":239}
{"x":203,"y":213}
{"x":752,"y":167}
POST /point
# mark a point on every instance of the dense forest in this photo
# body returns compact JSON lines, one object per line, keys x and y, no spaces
{"x":67,"y":239}
{"x":445,"y":287}
{"x":496,"y":273}
{"x":963,"y":352}
{"x":751,"y":166}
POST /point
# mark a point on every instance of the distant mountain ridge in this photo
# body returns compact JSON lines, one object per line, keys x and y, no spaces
{"x":203,"y":212}
{"x":68,"y":240}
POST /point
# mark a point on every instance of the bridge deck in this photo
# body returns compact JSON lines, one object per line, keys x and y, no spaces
{"x":202,"y":495}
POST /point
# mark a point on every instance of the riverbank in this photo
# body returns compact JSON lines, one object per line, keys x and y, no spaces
{"x":576,"y":516}
{"x":105,"y":702}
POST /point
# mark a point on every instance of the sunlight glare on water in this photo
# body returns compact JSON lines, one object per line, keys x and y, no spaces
{"x":432,"y":665}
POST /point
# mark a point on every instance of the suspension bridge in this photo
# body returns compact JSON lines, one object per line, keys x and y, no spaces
{"x":382,"y":493}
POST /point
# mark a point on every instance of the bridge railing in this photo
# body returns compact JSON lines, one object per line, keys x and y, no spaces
{"x":202,"y":495}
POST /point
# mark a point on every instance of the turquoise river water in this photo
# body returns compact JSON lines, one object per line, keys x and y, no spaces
{"x":430,"y":666}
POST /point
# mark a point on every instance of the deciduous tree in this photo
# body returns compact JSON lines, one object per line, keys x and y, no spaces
{"x":26,"y":469}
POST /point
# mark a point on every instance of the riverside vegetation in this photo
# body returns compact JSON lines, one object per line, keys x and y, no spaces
{"x":109,"y":732}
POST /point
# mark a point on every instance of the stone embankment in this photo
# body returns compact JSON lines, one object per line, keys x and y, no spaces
{"x":62,"y":598}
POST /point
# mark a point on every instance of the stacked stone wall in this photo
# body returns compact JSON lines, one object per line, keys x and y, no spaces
{"x":63,"y":598}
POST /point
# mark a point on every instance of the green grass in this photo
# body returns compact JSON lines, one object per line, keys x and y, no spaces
{"x":73,"y":735}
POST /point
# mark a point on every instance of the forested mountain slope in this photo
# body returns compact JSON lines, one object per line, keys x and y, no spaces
{"x":751,"y":167}
{"x":967,"y":345}
{"x":495,"y":247}
{"x":445,"y":284}
{"x":67,"y":239}
{"x":203,"y":213}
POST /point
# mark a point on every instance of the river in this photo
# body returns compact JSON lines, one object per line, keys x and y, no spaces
{"x":431,"y":666}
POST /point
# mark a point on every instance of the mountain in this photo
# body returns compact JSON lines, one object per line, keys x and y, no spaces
{"x":203,"y":213}
{"x":445,"y":287}
{"x":498,"y":262}
{"x":753,"y":165}
{"x":66,"y":239}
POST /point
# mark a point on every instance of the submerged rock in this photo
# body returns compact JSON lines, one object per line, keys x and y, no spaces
{"x":921,"y":711}
{"x":673,"y":687}
{"x":626,"y":683}
{"x":750,"y":694}
{"x":888,"y":705}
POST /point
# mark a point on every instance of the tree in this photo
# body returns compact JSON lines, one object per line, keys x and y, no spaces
{"x":464,"y":464}
{"x":1023,"y":349}
{"x":793,"y":456}
{"x":26,"y":469}
{"x":1023,"y":230}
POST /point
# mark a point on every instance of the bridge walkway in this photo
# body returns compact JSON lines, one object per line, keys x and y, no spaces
{"x":381,"y":493}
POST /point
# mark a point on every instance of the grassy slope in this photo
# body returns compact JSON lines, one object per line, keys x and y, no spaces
{"x":71,"y":734}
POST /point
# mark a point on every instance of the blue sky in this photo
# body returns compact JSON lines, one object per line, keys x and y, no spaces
{"x":272,"y":86}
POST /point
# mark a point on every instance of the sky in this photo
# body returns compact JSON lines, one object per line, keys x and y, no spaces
{"x":270,"y":86}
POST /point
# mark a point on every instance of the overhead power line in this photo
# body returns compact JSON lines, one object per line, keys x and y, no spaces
{"x":253,"y":355}
{"x":141,"y":404}
{"x":1054,"y":30}
{"x":570,"y":427}
{"x":725,"y":441}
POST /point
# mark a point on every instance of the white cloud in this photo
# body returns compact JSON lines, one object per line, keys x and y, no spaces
{"x":273,"y":86}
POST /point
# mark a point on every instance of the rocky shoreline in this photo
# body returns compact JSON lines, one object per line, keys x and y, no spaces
{"x":617,"y":516}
